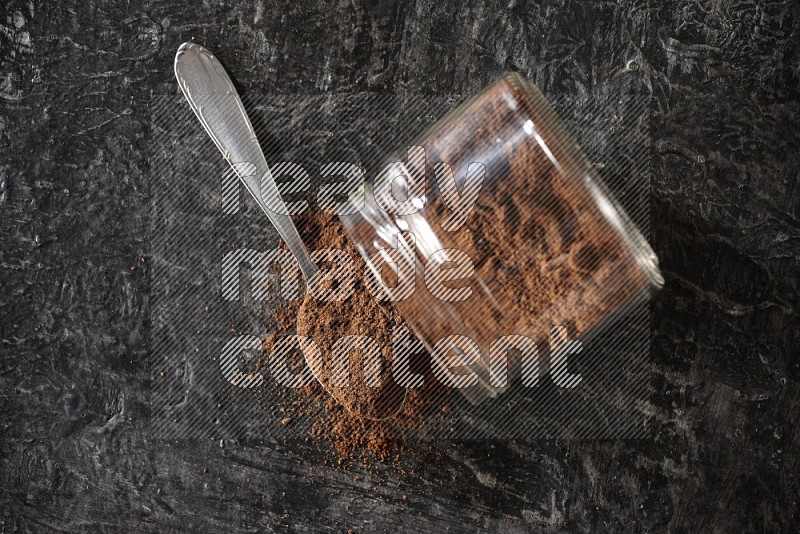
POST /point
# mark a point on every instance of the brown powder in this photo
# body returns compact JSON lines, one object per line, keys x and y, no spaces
{"x":538,"y":234}
{"x":327,"y":322}
{"x":357,"y":421}
{"x":544,"y":254}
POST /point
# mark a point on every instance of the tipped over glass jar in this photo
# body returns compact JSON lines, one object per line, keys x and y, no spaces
{"x":491,"y":230}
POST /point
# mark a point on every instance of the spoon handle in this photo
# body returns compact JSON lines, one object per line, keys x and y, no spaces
{"x":214,"y":100}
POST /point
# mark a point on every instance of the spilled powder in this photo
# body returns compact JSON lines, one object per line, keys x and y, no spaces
{"x":358,"y":317}
{"x":357,"y":421}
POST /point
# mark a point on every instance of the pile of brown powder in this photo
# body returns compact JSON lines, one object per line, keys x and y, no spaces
{"x":327,"y":322}
{"x":357,"y":420}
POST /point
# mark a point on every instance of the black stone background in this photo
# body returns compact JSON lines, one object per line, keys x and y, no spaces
{"x":76,"y":83}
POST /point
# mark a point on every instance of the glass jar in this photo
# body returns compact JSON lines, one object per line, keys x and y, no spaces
{"x":498,"y":232}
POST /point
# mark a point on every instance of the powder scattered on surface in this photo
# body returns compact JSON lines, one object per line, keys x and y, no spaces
{"x":357,"y":421}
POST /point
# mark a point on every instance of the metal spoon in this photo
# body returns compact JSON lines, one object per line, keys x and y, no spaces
{"x":215,"y":101}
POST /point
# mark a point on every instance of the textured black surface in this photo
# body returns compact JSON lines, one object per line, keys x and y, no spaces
{"x":76,"y":83}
